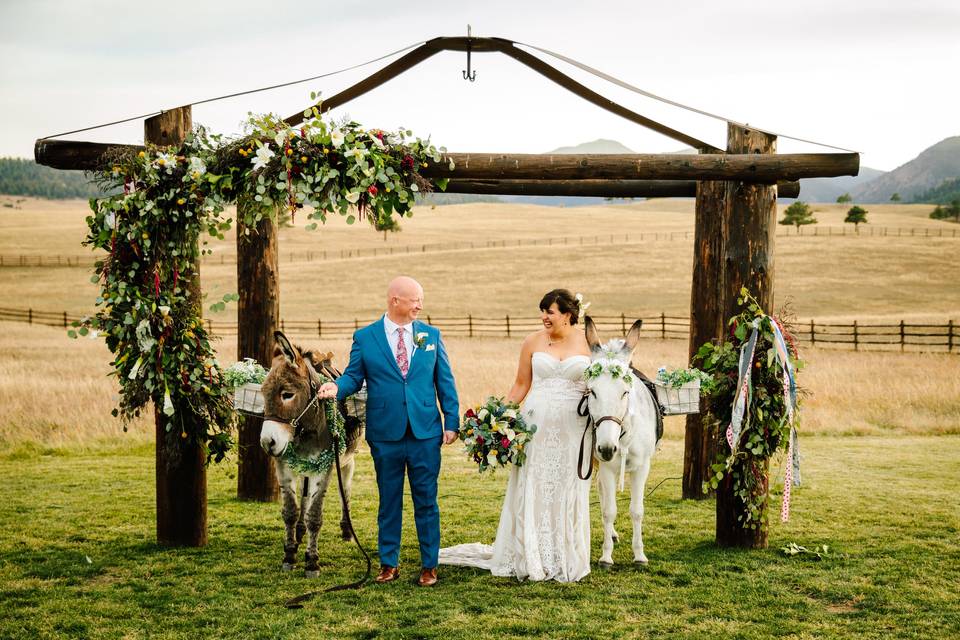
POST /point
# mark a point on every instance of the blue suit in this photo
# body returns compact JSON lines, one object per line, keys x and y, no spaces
{"x":404,"y":429}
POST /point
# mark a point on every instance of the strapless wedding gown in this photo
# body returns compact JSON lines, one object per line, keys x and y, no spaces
{"x":544,"y":531}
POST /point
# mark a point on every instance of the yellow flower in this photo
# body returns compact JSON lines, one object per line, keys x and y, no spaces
{"x":289,"y":152}
{"x":141,"y":154}
{"x":303,"y":158}
{"x":181,"y":200}
{"x":144,"y":235}
{"x":424,"y":164}
{"x":325,"y":150}
{"x":161,"y":161}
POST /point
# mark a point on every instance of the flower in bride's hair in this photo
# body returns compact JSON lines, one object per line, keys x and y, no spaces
{"x":582,"y":306}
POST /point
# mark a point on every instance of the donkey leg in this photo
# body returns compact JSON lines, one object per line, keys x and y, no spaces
{"x":290,"y":514}
{"x":347,"y":472}
{"x":601,"y":489}
{"x":606,"y":478}
{"x":638,"y":486}
{"x":318,"y":488}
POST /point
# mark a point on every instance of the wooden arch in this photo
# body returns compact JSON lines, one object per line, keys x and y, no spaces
{"x":735,"y":189}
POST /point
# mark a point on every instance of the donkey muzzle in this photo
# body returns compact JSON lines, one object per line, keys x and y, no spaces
{"x":274,"y":437}
{"x":607,"y":452}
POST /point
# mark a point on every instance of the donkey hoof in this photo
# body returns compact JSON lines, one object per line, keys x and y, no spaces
{"x":346,"y":535}
{"x":640,"y":564}
{"x":287,"y":566}
{"x":605,"y":565}
{"x":311,"y":573}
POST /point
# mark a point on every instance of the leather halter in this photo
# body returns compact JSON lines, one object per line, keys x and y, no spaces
{"x":584,"y":412}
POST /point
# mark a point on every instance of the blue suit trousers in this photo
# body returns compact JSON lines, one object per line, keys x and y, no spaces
{"x":419,"y":460}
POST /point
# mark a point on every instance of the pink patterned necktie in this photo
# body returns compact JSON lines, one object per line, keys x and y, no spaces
{"x":402,"y":360}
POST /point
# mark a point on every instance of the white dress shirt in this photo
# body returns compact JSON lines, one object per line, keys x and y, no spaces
{"x":391,"y":329}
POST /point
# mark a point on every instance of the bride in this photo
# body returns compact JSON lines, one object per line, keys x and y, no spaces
{"x":544,"y":531}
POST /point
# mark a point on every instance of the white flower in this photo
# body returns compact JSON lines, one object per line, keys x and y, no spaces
{"x":509,"y":413}
{"x":264,"y":153}
{"x":136,"y":369}
{"x":197,"y":167}
{"x":167,"y":403}
{"x":164,"y":310}
{"x":166,"y":161}
{"x":281,"y":137}
{"x":582,"y":305}
{"x":482,"y":415}
{"x":110,"y":220}
{"x":336,"y":137}
{"x":352,"y":197}
{"x":356,"y":153}
{"x":510,"y":434}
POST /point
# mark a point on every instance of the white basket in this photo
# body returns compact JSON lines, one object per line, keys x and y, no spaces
{"x":248,"y":399}
{"x":679,"y":400}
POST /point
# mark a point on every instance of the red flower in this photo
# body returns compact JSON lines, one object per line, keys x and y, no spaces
{"x":505,"y":443}
{"x":372,"y":189}
{"x":407,"y":162}
{"x":480,"y":440}
{"x":470,"y":414}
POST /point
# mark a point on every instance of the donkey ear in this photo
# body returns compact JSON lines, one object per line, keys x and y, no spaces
{"x":285,"y":347}
{"x":590,"y":329}
{"x":633,"y":336}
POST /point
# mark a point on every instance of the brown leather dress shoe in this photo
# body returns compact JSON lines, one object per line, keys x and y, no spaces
{"x":387,"y":574}
{"x":428,"y":577}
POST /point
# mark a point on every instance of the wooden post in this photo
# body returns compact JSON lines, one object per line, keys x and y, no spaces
{"x":903,"y":336}
{"x":181,"y":473}
{"x":258,"y":314}
{"x":470,"y":320}
{"x":749,"y":227}
{"x":950,"y":336}
{"x":856,"y":337}
{"x":813,"y":333}
{"x":706,"y":324}
{"x":508,"y":325}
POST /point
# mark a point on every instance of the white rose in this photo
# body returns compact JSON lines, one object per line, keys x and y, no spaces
{"x":482,"y":415}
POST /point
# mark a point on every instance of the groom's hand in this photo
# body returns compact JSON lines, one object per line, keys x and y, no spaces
{"x":327,"y":390}
{"x":449,"y":436}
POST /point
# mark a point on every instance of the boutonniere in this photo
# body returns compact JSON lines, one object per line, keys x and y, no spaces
{"x":421,"y":339}
{"x":431,"y":347}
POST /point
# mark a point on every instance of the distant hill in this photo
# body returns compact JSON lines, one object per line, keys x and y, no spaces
{"x":829,"y":189}
{"x":925,"y":172}
{"x":21,"y":177}
{"x":948,"y":191}
{"x":596,"y":146}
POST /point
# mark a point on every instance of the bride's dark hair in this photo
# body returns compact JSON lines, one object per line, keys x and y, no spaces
{"x":566,"y":303}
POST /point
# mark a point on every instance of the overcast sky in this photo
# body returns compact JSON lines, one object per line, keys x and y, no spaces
{"x":879,"y":77}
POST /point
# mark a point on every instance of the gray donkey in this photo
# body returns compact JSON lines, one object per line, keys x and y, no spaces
{"x":293,"y":415}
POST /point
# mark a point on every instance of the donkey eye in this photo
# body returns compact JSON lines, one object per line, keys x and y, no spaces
{"x":287,"y":395}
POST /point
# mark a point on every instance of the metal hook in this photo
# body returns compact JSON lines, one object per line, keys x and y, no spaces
{"x":467,"y":75}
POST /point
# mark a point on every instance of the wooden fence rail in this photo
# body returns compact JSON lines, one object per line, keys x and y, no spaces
{"x":902,"y":336}
{"x":606,"y":239}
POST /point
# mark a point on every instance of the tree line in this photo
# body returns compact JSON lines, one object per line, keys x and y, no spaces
{"x":22,"y":177}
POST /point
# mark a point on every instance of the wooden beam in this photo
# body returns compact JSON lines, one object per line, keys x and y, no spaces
{"x":746,"y":167}
{"x":479,"y":45}
{"x":594,"y":188}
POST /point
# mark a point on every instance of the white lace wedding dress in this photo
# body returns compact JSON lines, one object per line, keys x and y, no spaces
{"x":544,"y":531}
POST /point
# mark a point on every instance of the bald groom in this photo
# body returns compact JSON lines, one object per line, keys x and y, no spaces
{"x":407,"y":371}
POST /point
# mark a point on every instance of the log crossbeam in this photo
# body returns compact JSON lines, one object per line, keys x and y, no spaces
{"x":751,"y":168}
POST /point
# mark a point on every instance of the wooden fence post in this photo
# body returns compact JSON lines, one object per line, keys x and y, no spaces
{"x":508,"y":325}
{"x":470,"y":320}
{"x":64,"y":319}
{"x":30,"y":316}
{"x":319,"y":328}
{"x":856,"y":337}
{"x":813,"y":333}
{"x":623,"y":323}
{"x":903,"y":336}
{"x":950,"y":336}
{"x":663,"y":326}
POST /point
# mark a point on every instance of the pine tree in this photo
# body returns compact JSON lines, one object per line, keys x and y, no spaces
{"x":844,"y":198}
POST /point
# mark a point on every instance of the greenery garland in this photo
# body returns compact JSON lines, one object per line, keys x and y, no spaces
{"x":171,"y":196}
{"x":596,"y":369}
{"x":320,"y":464}
{"x":766,"y":429}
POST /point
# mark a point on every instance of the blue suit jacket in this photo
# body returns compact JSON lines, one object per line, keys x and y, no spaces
{"x":393,"y":401}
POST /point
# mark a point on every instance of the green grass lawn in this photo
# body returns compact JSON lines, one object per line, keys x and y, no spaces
{"x":78,"y":558}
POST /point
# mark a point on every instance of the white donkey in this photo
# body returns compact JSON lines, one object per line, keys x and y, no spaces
{"x":624,"y":416}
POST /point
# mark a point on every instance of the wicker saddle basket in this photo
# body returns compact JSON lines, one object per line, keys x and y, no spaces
{"x":679,"y":400}
{"x":248,"y":399}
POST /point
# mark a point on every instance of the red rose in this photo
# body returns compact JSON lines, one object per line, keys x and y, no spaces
{"x":470,"y":414}
{"x":407,"y":162}
{"x":480,"y":440}
{"x":372,"y":189}
{"x":505,"y":443}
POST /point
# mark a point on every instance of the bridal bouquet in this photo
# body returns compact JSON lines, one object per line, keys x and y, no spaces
{"x":496,"y":434}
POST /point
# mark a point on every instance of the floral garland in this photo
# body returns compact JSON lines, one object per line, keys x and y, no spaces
{"x":321,"y":463}
{"x":171,"y":196}
{"x":616,"y":371}
{"x":679,"y":377}
{"x":767,"y":407}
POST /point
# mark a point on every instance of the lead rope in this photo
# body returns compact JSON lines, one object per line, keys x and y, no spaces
{"x":583,"y":412}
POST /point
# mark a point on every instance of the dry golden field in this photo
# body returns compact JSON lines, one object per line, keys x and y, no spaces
{"x":55,"y":391}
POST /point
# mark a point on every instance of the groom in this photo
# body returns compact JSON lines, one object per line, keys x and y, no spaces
{"x":406,"y":369}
